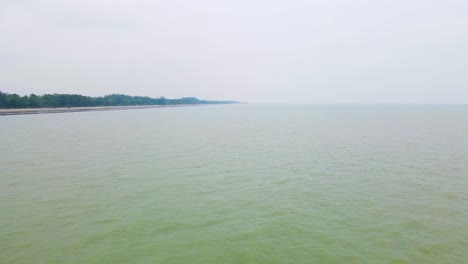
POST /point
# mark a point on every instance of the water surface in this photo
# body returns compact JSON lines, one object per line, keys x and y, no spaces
{"x":236,"y":184}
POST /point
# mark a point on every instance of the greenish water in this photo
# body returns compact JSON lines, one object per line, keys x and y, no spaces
{"x":236,"y":184}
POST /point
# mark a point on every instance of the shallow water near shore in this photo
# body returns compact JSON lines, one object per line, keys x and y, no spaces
{"x":236,"y":184}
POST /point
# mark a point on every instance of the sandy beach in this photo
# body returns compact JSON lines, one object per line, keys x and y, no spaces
{"x":27,"y":111}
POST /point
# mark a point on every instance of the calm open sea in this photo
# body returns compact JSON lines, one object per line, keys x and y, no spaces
{"x":236,"y":184}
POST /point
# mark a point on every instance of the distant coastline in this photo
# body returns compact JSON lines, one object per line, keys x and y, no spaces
{"x":29,"y":111}
{"x":13,"y":104}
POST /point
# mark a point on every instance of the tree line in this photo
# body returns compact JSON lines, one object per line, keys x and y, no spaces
{"x":75,"y":100}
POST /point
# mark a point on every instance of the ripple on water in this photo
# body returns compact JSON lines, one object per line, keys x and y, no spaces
{"x":235,"y":184}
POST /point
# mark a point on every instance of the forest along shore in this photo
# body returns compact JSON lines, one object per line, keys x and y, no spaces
{"x":26,"y":111}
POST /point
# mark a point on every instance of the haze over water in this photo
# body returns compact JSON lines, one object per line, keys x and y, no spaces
{"x":236,"y":184}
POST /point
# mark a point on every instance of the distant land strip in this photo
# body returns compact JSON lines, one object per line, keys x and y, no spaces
{"x":13,"y":104}
{"x":27,"y":111}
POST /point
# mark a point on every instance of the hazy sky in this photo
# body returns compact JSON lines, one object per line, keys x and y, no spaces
{"x":336,"y":51}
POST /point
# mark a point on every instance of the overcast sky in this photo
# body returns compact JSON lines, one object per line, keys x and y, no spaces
{"x":324,"y":51}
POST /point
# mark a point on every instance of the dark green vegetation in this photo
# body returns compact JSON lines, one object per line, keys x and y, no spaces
{"x":76,"y":100}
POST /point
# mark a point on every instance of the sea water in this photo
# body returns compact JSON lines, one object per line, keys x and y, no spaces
{"x":242,"y":183}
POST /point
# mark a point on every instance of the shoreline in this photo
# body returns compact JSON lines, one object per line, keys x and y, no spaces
{"x":31,"y":111}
